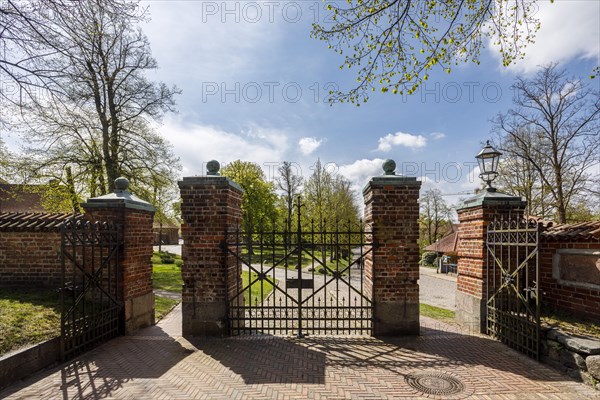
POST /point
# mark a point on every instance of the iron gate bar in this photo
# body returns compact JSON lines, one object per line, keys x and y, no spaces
{"x":91,"y":311}
{"x":92,"y":278}
{"x":347,"y":283}
{"x":511,"y":317}
{"x":288,"y":308}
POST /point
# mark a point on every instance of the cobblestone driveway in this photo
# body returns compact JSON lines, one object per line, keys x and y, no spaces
{"x":159,"y":364}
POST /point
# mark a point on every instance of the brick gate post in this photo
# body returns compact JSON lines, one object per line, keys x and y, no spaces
{"x":209,"y":205}
{"x":474,"y":216}
{"x":392,"y":212}
{"x":134,"y":218}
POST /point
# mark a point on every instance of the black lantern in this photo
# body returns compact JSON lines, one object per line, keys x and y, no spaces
{"x":488,"y":159}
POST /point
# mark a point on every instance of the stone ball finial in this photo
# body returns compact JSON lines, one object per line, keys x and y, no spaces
{"x":213,"y":167}
{"x":121,"y":184}
{"x":389,"y":167}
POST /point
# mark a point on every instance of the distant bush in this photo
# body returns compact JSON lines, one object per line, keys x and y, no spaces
{"x":179,"y":263}
{"x":428,"y":258}
{"x":167,"y":258}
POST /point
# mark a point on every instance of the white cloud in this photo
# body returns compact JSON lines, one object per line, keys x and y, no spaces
{"x":309,"y":144}
{"x":197,"y":144}
{"x":438,"y":135}
{"x":401,"y":139}
{"x":359,"y":173}
{"x":569,"y":30}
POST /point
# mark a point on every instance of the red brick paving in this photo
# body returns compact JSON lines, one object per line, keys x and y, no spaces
{"x":159,"y":364}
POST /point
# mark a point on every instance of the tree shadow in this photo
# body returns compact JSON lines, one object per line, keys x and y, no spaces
{"x":100,"y":372}
{"x":444,"y":348}
{"x":262,"y":359}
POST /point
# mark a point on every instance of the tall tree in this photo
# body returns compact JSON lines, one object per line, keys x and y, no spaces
{"x":163,"y":198}
{"x":435,"y":215}
{"x":3,"y":160}
{"x":342,"y":203}
{"x":396,"y":43}
{"x":258,"y":200}
{"x":101,"y":119}
{"x":329,"y":199}
{"x":317,"y":194}
{"x":554,"y":128}
{"x":290,"y":184}
{"x":27,"y":33}
{"x":518,"y":176}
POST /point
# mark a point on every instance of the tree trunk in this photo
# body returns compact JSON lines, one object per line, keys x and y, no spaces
{"x":71,"y":188}
{"x":159,"y":237}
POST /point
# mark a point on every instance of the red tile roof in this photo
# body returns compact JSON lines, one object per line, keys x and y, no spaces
{"x":581,"y":230}
{"x":21,"y":221}
{"x":447,"y":244}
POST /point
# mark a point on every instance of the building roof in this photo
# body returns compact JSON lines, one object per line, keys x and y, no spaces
{"x":21,"y":221}
{"x":20,"y":198}
{"x":447,"y":244}
{"x":589,"y":230}
{"x":581,"y":230}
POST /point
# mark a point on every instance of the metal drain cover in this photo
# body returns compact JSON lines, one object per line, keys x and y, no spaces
{"x":435,"y":383}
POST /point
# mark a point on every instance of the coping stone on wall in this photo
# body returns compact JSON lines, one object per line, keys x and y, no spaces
{"x":583,"y":345}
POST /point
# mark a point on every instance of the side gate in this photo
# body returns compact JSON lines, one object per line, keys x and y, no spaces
{"x":513,"y":294}
{"x":91,"y":300}
{"x":306,"y":281}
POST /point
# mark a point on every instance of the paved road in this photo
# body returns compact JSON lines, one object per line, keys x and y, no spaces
{"x":157,"y":363}
{"x":437,"y":289}
{"x":171,"y":248}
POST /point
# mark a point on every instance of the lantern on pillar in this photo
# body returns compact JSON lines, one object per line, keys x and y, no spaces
{"x":488,"y":159}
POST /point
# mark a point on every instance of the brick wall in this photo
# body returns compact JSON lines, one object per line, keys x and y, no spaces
{"x":575,"y":298}
{"x":472,"y":253}
{"x":582,"y":298}
{"x":471,"y":249}
{"x":210,"y":205}
{"x":135,"y":263}
{"x":392,"y":269}
{"x":30,"y":258}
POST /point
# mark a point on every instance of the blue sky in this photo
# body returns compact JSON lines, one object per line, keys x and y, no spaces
{"x":241,"y":66}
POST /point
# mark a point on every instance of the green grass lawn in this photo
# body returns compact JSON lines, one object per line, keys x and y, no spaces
{"x":256,"y":294}
{"x":274,"y":255}
{"x":27,"y":317}
{"x":165,"y":277}
{"x":436,"y":313}
{"x":162,"y":306}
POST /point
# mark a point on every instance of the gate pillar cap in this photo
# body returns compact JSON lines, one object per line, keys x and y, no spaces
{"x":389,"y":178}
{"x":493,"y":198}
{"x":209,"y":180}
{"x":121,"y":197}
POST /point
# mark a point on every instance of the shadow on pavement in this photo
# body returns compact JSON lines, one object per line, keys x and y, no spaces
{"x":99,"y":372}
{"x":266,"y":359}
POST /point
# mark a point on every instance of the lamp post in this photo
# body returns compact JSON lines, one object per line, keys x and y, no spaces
{"x":488,"y":159}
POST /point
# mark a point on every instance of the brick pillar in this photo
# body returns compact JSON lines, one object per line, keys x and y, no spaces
{"x":474,"y":217}
{"x":210,"y":205}
{"x":392,"y":212}
{"x":134,"y":218}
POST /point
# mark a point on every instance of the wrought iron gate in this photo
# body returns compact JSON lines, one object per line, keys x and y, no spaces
{"x":91,"y":300}
{"x":308,"y":280}
{"x":513,"y":295}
